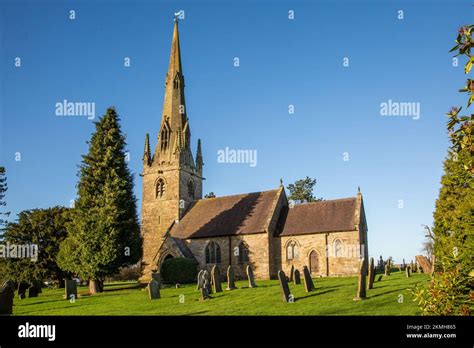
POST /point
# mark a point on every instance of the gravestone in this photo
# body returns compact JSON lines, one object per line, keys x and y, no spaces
{"x":205,"y":289}
{"x":379,"y":278}
{"x":297,"y":278}
{"x":292,"y":271}
{"x":33,"y":290}
{"x":387,"y":269}
{"x":230,"y":278}
{"x":361,"y":293}
{"x":22,"y":290}
{"x":371,"y":273}
{"x":285,"y":289}
{"x":154,"y":289}
{"x":200,"y":280}
{"x":7,"y":293}
{"x":308,"y":282}
{"x":216,"y":279}
{"x":424,"y":263}
{"x":70,"y":287}
{"x":408,"y":272}
{"x":207,"y":281}
{"x":251,"y":277}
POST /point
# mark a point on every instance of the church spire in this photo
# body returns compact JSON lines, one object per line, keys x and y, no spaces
{"x":174,"y":130}
{"x":199,"y":162}
{"x":146,"y":152}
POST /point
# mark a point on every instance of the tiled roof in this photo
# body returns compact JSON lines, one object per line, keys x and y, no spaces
{"x":325,"y":216}
{"x":226,"y":216}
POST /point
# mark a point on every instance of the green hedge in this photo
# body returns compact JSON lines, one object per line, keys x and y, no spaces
{"x":179,"y":270}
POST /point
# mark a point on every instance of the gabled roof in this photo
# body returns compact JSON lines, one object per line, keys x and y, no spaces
{"x":325,"y":216}
{"x":227,"y":216}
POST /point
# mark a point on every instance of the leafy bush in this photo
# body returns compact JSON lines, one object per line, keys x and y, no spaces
{"x":179,"y":270}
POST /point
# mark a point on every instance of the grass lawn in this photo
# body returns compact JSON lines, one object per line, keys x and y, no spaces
{"x":333,"y":296}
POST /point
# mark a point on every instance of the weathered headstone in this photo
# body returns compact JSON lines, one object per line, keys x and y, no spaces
{"x":7,"y":293}
{"x":408,"y":271}
{"x":285,"y":289}
{"x":70,"y":287}
{"x":216,"y":279}
{"x":200,"y":280}
{"x":230,"y":278}
{"x":361,"y":293}
{"x":371,"y":273}
{"x":387,"y":269}
{"x":424,"y":264}
{"x":154,"y":289}
{"x":292,"y":271}
{"x":22,"y":290}
{"x":251,"y":277}
{"x":205,"y":289}
{"x":308,"y":282}
{"x":207,"y":281}
{"x":33,"y":290}
{"x":297,"y":277}
{"x":379,"y":278}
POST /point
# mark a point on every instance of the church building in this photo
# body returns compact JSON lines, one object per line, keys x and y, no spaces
{"x":261,"y":229}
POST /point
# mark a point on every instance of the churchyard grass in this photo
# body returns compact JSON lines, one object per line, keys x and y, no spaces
{"x":332,"y":296}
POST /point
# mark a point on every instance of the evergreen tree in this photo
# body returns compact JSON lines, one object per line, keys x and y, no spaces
{"x":104,"y":233}
{"x":454,"y":214}
{"x":45,"y":229}
{"x":302,"y":190}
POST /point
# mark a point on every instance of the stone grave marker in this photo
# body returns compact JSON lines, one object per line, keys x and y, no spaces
{"x":371,"y":273}
{"x":297,"y":277}
{"x":379,"y":278}
{"x":200,"y":280}
{"x":205,"y":289}
{"x":33,"y":290}
{"x":292,"y":271}
{"x":230,"y":278}
{"x":361,"y":293}
{"x":251,"y":277}
{"x":308,"y":282}
{"x":7,"y":293}
{"x":154,"y":289}
{"x":408,"y":271}
{"x":22,"y":290}
{"x":207,"y":282}
{"x":285,"y":289}
{"x":70,"y":287}
{"x":216,"y":279}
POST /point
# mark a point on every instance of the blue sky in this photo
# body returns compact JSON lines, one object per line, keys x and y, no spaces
{"x":282,"y":62}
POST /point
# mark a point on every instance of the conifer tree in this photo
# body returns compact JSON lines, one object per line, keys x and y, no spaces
{"x":104,"y":233}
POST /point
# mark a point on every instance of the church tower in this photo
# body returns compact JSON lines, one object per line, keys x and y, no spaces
{"x":172,"y":179}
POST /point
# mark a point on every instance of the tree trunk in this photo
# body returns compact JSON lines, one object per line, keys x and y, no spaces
{"x":94,"y":287}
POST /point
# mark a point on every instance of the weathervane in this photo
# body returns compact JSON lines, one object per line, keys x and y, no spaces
{"x":178,"y":14}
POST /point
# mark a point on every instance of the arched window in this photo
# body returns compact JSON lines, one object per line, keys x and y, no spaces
{"x":337,"y":248}
{"x":213,"y":253}
{"x":160,"y":188}
{"x":191,"y":189}
{"x":292,"y":250}
{"x":243,"y":253}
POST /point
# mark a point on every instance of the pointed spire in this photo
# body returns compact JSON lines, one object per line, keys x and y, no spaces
{"x":146,"y":152}
{"x":199,"y":162}
{"x":175,"y":56}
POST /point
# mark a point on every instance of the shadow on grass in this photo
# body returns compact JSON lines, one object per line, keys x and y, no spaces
{"x":125,"y":286}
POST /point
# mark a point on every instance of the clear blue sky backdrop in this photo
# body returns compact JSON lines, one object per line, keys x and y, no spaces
{"x":282,"y":62}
